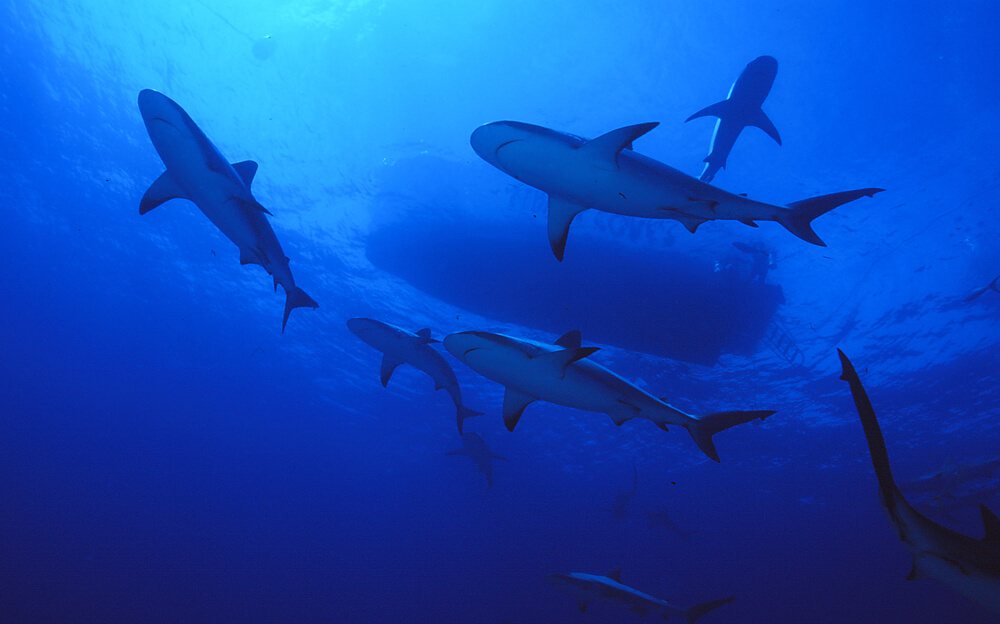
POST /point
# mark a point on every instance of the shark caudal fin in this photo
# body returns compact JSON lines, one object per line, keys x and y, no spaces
{"x":799,"y":215}
{"x":702,"y":429}
{"x":296,"y":298}
{"x":695,"y":612}
{"x":462,"y":413}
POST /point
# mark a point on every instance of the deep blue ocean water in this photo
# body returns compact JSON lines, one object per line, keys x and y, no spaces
{"x":168,"y":455}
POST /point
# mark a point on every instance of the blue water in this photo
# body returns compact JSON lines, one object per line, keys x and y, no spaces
{"x":168,"y":455}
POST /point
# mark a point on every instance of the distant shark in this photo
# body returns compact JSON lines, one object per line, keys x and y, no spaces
{"x":605,"y":174}
{"x":741,"y":108}
{"x":663,"y":519}
{"x":975,"y":293}
{"x":619,"y":507}
{"x":968,"y":565}
{"x":198,"y":172}
{"x":400,"y":346}
{"x":562,"y":374}
{"x":475,"y":449}
{"x":587,"y":587}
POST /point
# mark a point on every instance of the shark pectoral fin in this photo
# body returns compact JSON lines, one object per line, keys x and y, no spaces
{"x":514,"y":403}
{"x":582,"y":606}
{"x":249,"y":256}
{"x":389,"y":364}
{"x":561,"y":213}
{"x":246,"y":170}
{"x":424,"y":337}
{"x":604,"y":149}
{"x":162,"y":189}
{"x":719,"y":109}
{"x":991,"y":525}
{"x":570,"y":340}
{"x":555,"y":363}
{"x":760,"y":120}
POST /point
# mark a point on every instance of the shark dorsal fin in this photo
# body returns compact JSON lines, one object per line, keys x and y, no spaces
{"x":246,"y":170}
{"x":991,"y":524}
{"x":555,"y":363}
{"x":605,"y":148}
{"x":424,"y":337}
{"x":615,"y":575}
{"x":570,"y":340}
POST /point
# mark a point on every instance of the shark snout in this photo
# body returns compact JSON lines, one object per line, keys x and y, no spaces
{"x":487,"y":140}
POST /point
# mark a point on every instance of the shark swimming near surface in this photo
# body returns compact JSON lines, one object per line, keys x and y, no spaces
{"x":606,"y":174}
{"x":562,"y":373}
{"x":588,"y":587}
{"x":198,"y":172}
{"x":474,"y":447}
{"x":969,"y":565}
{"x":403,"y":347}
{"x":741,"y":108}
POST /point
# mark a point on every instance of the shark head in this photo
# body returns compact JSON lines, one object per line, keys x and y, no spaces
{"x":517,"y":148}
{"x":157,"y":108}
{"x":461,"y":344}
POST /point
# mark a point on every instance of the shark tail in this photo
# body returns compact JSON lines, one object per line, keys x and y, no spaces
{"x":462,"y":413}
{"x":699,"y":610}
{"x":702,"y":429}
{"x":799,"y":215}
{"x":295,"y":297}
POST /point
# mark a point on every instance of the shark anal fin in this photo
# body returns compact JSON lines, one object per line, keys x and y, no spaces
{"x":162,"y":189}
{"x":514,"y":403}
{"x":555,"y":363}
{"x":748,"y":222}
{"x":604,"y":149}
{"x":570,"y":340}
{"x":759,"y":119}
{"x":688,"y":221}
{"x":246,"y":170}
{"x":389,"y":364}
{"x":991,"y":524}
{"x":718,"y":109}
{"x":561,"y":213}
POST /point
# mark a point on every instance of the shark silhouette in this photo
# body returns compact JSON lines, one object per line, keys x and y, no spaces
{"x":663,"y":519}
{"x":969,"y":565}
{"x":198,"y":172}
{"x":474,"y":447}
{"x":619,"y":507}
{"x":741,"y":108}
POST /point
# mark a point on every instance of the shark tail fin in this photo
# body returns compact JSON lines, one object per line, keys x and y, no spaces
{"x":464,"y":412}
{"x":798,"y":217}
{"x":702,"y":429}
{"x":699,"y":610}
{"x":295,"y":297}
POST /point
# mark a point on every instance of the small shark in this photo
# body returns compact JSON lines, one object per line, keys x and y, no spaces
{"x":969,"y":565}
{"x":945,"y":480}
{"x":741,"y":108}
{"x":587,"y":587}
{"x":975,"y":293}
{"x":662,"y":519}
{"x":562,"y":374}
{"x":198,"y":172}
{"x":605,"y":174}
{"x":400,"y":346}
{"x":619,"y":507}
{"x":475,"y":449}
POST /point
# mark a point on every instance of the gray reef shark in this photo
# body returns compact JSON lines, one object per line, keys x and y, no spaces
{"x":563,"y":374}
{"x":587,"y":587}
{"x":741,"y":108}
{"x":605,"y":174}
{"x":663,"y":519}
{"x":474,"y":447}
{"x":198,"y":172}
{"x":969,"y":565}
{"x":619,"y":506}
{"x":400,"y":346}
{"x":976,"y":293}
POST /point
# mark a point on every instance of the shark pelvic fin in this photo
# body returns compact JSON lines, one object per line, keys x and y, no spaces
{"x":570,"y":340}
{"x":162,"y":189}
{"x":604,"y":149}
{"x":249,"y":256}
{"x":719,"y":109}
{"x":514,"y":403}
{"x":555,"y":363}
{"x":389,"y":364}
{"x":561,"y":213}
{"x":246,"y":170}
{"x":424,"y":337}
{"x":760,"y":119}
{"x":991,"y":525}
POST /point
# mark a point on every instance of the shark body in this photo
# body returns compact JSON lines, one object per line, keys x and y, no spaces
{"x":198,"y":172}
{"x":399,"y":346}
{"x":663,"y":519}
{"x":619,"y":507}
{"x":741,"y":108}
{"x":976,"y":293}
{"x":474,"y":447}
{"x":562,"y":373}
{"x":588,"y":587}
{"x":606,"y":174}
{"x":969,"y":565}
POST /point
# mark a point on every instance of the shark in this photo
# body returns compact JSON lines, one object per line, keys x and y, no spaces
{"x":606,"y":174}
{"x":562,"y":373}
{"x":198,"y":172}
{"x":399,"y":346}
{"x":474,"y":447}
{"x":588,"y":587}
{"x":663,"y":519}
{"x":969,"y":565}
{"x":976,"y":293}
{"x":741,"y":108}
{"x":619,"y":507}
